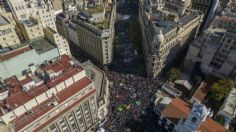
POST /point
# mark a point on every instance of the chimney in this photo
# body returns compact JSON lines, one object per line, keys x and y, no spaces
{"x":32,"y":68}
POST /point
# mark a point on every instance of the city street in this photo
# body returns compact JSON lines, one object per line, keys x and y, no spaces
{"x":130,"y":89}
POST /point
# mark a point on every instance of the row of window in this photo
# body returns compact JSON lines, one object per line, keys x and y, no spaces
{"x":5,"y":31}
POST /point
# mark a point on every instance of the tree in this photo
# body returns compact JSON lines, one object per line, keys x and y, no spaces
{"x":173,"y":74}
{"x":220,"y":89}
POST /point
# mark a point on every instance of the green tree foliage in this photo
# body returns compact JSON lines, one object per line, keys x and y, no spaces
{"x":220,"y":89}
{"x":173,"y":74}
{"x":220,"y":119}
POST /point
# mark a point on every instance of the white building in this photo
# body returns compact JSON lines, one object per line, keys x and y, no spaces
{"x":228,"y":109}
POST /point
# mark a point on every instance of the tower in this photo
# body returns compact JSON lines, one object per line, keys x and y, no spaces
{"x":158,"y":39}
{"x":197,"y":115}
{"x":160,"y":4}
{"x":181,"y":8}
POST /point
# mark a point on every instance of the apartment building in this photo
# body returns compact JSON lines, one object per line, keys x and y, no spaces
{"x":215,"y":49}
{"x":56,"y":38}
{"x":208,"y":7}
{"x":53,"y":96}
{"x":93,"y":23}
{"x":166,"y":29}
{"x":16,"y":61}
{"x":31,"y":29}
{"x":33,"y":19}
{"x":8,"y":36}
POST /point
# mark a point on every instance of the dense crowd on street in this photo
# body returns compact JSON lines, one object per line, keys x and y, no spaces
{"x":129,"y":96}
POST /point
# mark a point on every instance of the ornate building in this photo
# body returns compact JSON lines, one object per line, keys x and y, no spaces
{"x":179,"y":116}
{"x":30,"y":18}
{"x":166,"y":28}
{"x":215,"y":49}
{"x":90,"y":28}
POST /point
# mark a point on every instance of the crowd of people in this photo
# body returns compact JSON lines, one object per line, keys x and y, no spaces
{"x":130,"y":95}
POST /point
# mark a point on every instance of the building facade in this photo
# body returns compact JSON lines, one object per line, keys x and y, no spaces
{"x":8,"y":36}
{"x":54,"y":96}
{"x":32,"y":18}
{"x":94,"y":26}
{"x":215,"y":49}
{"x":208,"y":7}
{"x":165,"y":29}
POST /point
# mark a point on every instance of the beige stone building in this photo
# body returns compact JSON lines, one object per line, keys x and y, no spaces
{"x":95,"y":30}
{"x":33,"y":19}
{"x":215,"y":49}
{"x":8,"y":36}
{"x":57,"y":96}
{"x":55,"y":38}
{"x":31,"y":29}
{"x":166,"y":28}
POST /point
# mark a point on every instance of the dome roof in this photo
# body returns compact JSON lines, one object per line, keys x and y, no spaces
{"x":200,"y":110}
{"x":160,"y":36}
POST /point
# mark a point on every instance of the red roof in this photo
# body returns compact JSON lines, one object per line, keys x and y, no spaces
{"x":26,"y":80}
{"x":20,"y":97}
{"x":62,"y":64}
{"x":40,"y":110}
{"x":64,"y":111}
{"x":178,"y":109}
{"x":14,"y":53}
{"x":201,"y":93}
{"x":210,"y":125}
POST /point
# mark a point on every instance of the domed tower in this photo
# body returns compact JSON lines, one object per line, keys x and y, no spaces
{"x":158,"y":39}
{"x":195,"y":118}
{"x":160,"y":4}
{"x":181,"y":8}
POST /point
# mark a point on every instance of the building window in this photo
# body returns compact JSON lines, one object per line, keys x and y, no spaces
{"x":54,"y":128}
{"x":194,"y":119}
{"x":63,"y":125}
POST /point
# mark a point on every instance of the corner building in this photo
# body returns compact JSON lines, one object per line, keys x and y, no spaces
{"x":91,"y":29}
{"x":55,"y":96}
{"x":166,"y":29}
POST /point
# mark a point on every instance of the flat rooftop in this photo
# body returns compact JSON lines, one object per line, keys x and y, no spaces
{"x":96,"y":75}
{"x":230,"y":103}
{"x":96,"y":9}
{"x":217,"y":31}
{"x":165,"y":25}
{"x":29,"y":22}
{"x":14,"y":53}
{"x":42,"y":45}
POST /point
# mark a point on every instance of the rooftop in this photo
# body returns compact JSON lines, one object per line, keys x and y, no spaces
{"x":176,"y":110}
{"x":230,"y":103}
{"x":201,"y":92}
{"x":14,"y":53}
{"x":179,"y":109}
{"x":44,"y":107}
{"x":41,"y":45}
{"x":165,"y":25}
{"x":103,"y":25}
{"x":18,"y":96}
{"x":29,"y":22}
{"x":96,"y":9}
